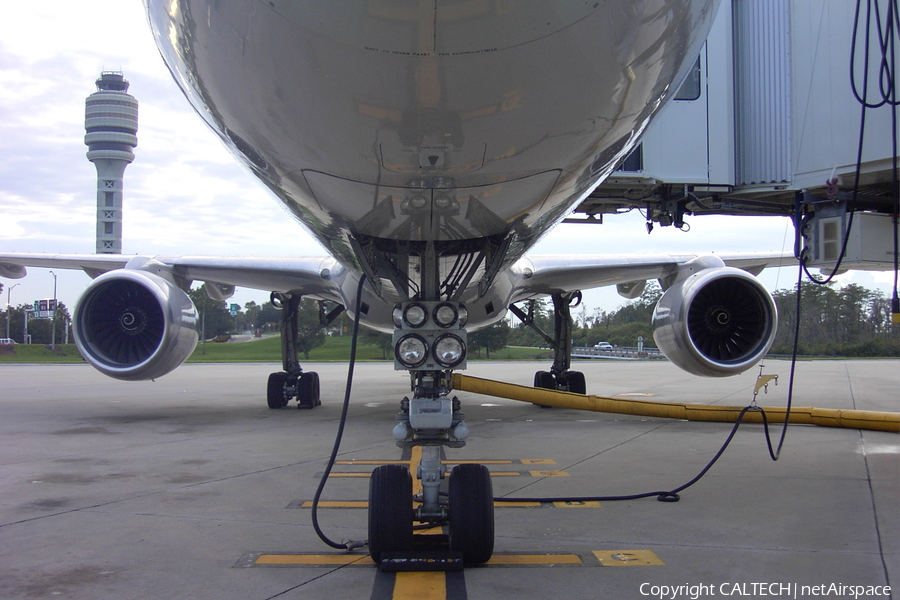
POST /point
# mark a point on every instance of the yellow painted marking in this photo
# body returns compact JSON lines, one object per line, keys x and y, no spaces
{"x":534,"y":559}
{"x":436,"y":530}
{"x":372,"y":462}
{"x":420,"y":586}
{"x":476,"y":462}
{"x":538,"y":461}
{"x":365,"y":504}
{"x":628,"y":558}
{"x":414,"y":460}
{"x":605,"y":558}
{"x":337,"y":504}
{"x":313,"y":559}
{"x":588,"y":504}
{"x":417,"y":483}
{"x":549,"y":473}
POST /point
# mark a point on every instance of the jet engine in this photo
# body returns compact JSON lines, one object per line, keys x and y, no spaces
{"x":134,"y":325}
{"x":716,"y":322}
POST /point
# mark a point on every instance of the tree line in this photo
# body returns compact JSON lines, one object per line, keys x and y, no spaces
{"x":834,"y":321}
{"x":848,"y":321}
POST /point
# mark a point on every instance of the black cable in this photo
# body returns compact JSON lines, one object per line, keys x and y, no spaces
{"x":672,"y":495}
{"x":887,"y":31}
{"x":349,"y":544}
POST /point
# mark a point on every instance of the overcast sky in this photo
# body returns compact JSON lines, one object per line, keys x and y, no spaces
{"x":184,"y":193}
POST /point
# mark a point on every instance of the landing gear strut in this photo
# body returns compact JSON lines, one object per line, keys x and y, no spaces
{"x":429,"y":421}
{"x":560,"y":377}
{"x":292,"y":382}
{"x":429,"y":342}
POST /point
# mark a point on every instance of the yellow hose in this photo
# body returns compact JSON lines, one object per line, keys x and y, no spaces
{"x":803,"y":415}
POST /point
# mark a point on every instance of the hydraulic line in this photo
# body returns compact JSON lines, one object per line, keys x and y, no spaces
{"x":823,"y":417}
{"x":346,"y":544}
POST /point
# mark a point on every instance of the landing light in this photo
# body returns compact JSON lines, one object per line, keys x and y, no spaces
{"x":429,"y":335}
{"x":449,"y":350}
{"x":411,"y":351}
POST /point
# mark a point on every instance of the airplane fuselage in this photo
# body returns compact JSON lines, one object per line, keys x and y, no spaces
{"x":427,"y":144}
{"x":430,"y":131}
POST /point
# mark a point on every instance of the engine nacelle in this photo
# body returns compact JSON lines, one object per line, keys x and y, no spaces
{"x":717,"y":322}
{"x":135,"y":325}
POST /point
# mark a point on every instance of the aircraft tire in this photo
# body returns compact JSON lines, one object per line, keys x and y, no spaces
{"x":275,"y":395}
{"x":390,"y":511}
{"x":308,"y":390}
{"x":545,"y":381}
{"x":574,"y":381}
{"x":472,"y":513}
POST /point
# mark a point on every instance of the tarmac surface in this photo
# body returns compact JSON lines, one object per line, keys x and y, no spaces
{"x":190,"y":487}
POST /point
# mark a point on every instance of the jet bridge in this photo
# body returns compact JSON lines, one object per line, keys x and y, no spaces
{"x":767,"y":124}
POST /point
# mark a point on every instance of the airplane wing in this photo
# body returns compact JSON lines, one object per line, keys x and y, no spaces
{"x":314,"y":276}
{"x":544,"y":275}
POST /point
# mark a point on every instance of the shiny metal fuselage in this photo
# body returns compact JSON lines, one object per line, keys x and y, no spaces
{"x":411,"y":122}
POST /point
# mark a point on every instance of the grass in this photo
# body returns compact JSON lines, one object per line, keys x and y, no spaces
{"x":335,"y":349}
{"x":38,"y":353}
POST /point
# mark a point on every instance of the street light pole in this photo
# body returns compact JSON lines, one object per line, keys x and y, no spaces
{"x":53,"y":318}
{"x":8,"y":307}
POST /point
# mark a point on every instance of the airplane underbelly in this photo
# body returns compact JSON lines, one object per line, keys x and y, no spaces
{"x":429,"y":119}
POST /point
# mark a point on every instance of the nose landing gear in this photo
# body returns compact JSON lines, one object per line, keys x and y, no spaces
{"x":467,"y":512}
{"x":464,"y":503}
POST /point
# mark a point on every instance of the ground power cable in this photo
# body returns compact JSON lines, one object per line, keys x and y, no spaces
{"x":346,"y":544}
{"x":886,"y":43}
{"x":673,"y":494}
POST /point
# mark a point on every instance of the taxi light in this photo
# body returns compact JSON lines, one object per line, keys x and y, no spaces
{"x":415,"y":315}
{"x":445,"y":315}
{"x":463,"y":315}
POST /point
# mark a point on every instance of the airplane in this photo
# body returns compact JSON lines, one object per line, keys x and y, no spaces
{"x":428,"y":145}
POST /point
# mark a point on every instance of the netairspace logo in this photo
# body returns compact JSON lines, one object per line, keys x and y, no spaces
{"x":754,"y":590}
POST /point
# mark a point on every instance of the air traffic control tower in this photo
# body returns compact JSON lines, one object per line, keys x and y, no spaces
{"x":110,"y":123}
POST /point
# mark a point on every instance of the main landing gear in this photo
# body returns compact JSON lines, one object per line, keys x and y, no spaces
{"x":560,"y":377}
{"x":292,"y":382}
